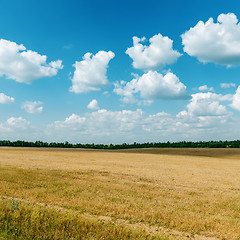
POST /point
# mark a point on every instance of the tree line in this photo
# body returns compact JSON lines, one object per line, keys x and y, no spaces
{"x":181,"y":144}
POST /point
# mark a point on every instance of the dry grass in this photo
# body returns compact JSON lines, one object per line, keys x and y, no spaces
{"x":196,"y":191}
{"x":23,"y":221}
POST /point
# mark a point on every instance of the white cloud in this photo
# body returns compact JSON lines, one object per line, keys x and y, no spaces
{"x":236,"y":100}
{"x":203,"y":88}
{"x":93,"y":105}
{"x":14,"y":124}
{"x":206,"y":88}
{"x":160,"y":122}
{"x":205,"y":127}
{"x":110,"y":121}
{"x":73,"y":122}
{"x":4,"y":99}
{"x":227,"y":85}
{"x":125,"y":90}
{"x":155,"y":56}
{"x":152,"y":85}
{"x":90,"y":73}
{"x":214,"y":42}
{"x":146,"y":102}
{"x":18,"y":128}
{"x":205,"y":116}
{"x":204,"y":106}
{"x":103,"y":126}
{"x":17,"y":122}
{"x":98,"y":125}
{"x":32,"y":107}
{"x":24,"y":65}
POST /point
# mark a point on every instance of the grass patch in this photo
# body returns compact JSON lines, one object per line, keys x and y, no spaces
{"x":29,"y":221}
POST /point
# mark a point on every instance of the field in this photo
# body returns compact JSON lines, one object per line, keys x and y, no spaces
{"x":127,"y":194}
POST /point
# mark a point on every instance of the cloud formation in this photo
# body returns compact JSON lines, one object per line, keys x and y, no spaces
{"x":22,"y":65}
{"x":126,"y":91}
{"x":32,"y":107}
{"x":14,"y":124}
{"x":205,"y":88}
{"x":155,"y":56}
{"x":71,"y":122}
{"x":236,"y":100}
{"x":93,"y":105}
{"x":205,"y":106}
{"x":206,"y":115}
{"x":103,"y":126}
{"x":214,"y":42}
{"x":227,"y":85}
{"x":152,"y":85}
{"x":100,"y":124}
{"x":4,"y":99}
{"x":90,"y":73}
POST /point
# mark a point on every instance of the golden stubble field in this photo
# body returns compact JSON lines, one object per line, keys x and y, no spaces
{"x":176,"y":193}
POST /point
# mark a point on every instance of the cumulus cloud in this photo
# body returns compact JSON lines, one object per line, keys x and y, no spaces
{"x":124,"y":120}
{"x":73,"y":122}
{"x":203,"y":106}
{"x":125,"y":90}
{"x":160,"y":122}
{"x":18,"y":128}
{"x":152,"y":85}
{"x":90,"y":73}
{"x":205,"y":115}
{"x":32,"y":107}
{"x":205,"y":88}
{"x":227,"y":85}
{"x":4,"y":99}
{"x":93,"y":105}
{"x":14,"y":124}
{"x":99,"y":124}
{"x":155,"y":56}
{"x":17,"y":122}
{"x":236,"y":100}
{"x":102,"y":126}
{"x":22,"y":65}
{"x":214,"y":42}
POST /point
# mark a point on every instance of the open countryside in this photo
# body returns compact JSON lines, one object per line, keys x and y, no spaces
{"x":124,"y":194}
{"x":119,"y":120}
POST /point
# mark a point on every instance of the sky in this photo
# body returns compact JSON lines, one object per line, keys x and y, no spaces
{"x":119,"y":71}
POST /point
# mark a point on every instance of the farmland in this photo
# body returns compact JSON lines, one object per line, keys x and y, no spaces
{"x":127,"y":194}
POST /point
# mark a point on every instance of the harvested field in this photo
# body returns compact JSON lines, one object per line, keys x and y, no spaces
{"x":207,"y":152}
{"x":149,"y":193}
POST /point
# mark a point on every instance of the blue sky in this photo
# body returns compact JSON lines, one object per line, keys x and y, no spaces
{"x":69,"y":70}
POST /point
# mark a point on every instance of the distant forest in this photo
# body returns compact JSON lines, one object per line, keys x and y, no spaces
{"x":183,"y":144}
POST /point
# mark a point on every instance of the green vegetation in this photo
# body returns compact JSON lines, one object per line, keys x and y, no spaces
{"x":183,"y":144}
